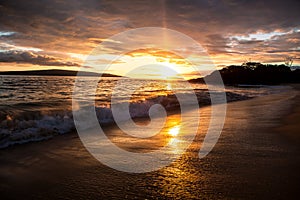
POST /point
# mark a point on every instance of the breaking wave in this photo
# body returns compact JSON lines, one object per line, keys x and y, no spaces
{"x":28,"y":126}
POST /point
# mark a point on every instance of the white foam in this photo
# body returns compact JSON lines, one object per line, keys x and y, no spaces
{"x":19,"y":130}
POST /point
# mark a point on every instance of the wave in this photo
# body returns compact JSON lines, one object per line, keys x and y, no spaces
{"x":28,"y":126}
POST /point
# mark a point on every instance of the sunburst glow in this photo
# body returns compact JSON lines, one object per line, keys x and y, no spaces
{"x":174,"y":131}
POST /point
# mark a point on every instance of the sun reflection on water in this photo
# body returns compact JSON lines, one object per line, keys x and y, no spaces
{"x":174,"y":131}
{"x":178,"y":179}
{"x":175,"y":137}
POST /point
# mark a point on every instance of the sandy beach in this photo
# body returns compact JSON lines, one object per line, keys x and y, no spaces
{"x":256,"y":157}
{"x":149,"y":100}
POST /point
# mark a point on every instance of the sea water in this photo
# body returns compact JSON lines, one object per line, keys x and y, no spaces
{"x":34,"y":108}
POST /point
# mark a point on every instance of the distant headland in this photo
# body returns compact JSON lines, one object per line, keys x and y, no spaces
{"x":255,"y":73}
{"x":55,"y":72}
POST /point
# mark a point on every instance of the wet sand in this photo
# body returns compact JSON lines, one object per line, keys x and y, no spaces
{"x":256,"y":157}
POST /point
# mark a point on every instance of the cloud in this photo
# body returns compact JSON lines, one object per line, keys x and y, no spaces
{"x":250,"y":42}
{"x":216,"y":43}
{"x":33,"y":58}
{"x":6,"y":33}
{"x":73,"y":26}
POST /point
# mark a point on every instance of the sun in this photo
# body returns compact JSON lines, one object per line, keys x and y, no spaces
{"x":174,"y":131}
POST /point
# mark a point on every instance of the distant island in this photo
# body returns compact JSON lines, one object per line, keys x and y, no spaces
{"x":55,"y":72}
{"x":255,"y":73}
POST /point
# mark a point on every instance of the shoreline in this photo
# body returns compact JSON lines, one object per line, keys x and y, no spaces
{"x":250,"y":160}
{"x":289,"y":126}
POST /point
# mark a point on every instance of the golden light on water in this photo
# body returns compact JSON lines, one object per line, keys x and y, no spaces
{"x":174,"y":131}
{"x":174,"y":141}
{"x":169,"y":86}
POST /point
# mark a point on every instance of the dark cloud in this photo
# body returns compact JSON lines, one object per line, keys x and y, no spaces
{"x":32,"y":58}
{"x":217,"y":43}
{"x":250,"y":42}
{"x":78,"y":26}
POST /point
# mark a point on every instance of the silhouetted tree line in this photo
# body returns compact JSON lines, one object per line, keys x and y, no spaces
{"x":257,"y":73}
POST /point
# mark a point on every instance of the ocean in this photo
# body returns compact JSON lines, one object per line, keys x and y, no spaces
{"x":34,"y":108}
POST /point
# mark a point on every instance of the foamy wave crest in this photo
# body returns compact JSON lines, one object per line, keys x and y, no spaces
{"x":37,"y":126}
{"x":19,"y":130}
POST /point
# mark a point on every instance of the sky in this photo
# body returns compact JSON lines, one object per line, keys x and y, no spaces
{"x":57,"y":34}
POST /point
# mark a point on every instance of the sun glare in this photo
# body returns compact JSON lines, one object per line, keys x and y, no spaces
{"x":159,"y":64}
{"x":174,"y":131}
